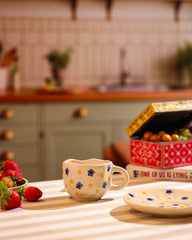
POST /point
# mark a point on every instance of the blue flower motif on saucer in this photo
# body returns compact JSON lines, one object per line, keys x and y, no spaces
{"x":184,"y":198}
{"x":150,"y":199}
{"x":91,"y":172}
{"x":131,"y":195}
{"x":67,"y":171}
{"x":104,"y":185}
{"x":108,"y":168}
{"x":79,"y":185}
{"x":169,"y":191}
{"x":161,"y":201}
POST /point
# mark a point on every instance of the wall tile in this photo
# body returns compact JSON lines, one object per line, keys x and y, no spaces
{"x":149,"y":46}
{"x":13,"y":38}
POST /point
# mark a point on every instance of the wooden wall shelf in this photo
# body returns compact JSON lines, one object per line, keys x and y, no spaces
{"x":177,"y":8}
{"x":74,"y":4}
{"x":109,"y":6}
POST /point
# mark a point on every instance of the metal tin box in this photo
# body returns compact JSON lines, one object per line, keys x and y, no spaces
{"x":166,"y":116}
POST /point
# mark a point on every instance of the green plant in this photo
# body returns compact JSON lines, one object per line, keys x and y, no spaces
{"x":183,"y":59}
{"x":59,"y":59}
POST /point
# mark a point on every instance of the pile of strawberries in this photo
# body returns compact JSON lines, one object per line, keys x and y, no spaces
{"x":11,"y":177}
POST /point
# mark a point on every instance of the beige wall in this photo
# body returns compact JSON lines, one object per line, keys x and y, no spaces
{"x":146,"y":30}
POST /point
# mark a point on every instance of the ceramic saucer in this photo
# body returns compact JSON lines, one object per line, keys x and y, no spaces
{"x":160,"y":201}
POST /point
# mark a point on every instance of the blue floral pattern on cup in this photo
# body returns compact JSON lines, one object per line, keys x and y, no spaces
{"x":79,"y":185}
{"x":91,"y":172}
{"x":104,"y":185}
{"x":66,"y":171}
{"x":108,"y":168}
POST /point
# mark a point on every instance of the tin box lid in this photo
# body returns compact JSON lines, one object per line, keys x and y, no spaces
{"x":166,"y":116}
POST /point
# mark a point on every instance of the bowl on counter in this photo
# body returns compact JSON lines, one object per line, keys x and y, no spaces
{"x":19,"y":189}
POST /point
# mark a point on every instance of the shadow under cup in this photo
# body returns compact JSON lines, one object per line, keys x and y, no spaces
{"x":89,"y":180}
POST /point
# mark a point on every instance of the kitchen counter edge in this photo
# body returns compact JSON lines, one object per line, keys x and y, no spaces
{"x":34,"y":96}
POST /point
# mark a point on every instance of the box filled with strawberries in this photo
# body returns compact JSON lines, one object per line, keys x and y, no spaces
{"x":14,"y":188}
{"x":161,"y":135}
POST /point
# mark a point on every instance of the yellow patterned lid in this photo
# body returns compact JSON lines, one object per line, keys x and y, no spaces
{"x":166,"y":116}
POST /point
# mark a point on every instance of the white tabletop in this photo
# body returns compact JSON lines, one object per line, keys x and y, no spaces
{"x":57,"y":216}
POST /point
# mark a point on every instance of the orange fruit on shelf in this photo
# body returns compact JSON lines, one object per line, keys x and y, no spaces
{"x":166,"y":138}
{"x":147,"y":135}
{"x":175,"y":137}
{"x":155,"y":138}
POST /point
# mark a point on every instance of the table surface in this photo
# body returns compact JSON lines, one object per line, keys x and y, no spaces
{"x":57,"y":216}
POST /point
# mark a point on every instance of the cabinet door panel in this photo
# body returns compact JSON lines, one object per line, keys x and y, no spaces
{"x":80,"y":142}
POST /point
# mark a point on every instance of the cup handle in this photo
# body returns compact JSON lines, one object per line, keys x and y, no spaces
{"x":125,"y":180}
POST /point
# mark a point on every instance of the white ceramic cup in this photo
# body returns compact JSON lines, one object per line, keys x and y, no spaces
{"x":89,"y":180}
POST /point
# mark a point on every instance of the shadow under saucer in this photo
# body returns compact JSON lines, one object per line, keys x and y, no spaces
{"x":128,"y":215}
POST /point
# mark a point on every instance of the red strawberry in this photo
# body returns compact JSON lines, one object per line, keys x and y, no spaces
{"x":9,"y":199}
{"x":32,"y":193}
{"x":10,"y":165}
{"x":13,"y":174}
{"x":9,"y":181}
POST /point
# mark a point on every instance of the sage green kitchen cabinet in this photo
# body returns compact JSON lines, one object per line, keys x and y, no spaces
{"x":82,"y":130}
{"x":42,"y":135}
{"x":78,"y":142}
{"x":19,"y":137}
{"x":69,"y":135}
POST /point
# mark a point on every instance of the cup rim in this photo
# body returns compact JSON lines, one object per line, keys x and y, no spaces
{"x":91,"y":162}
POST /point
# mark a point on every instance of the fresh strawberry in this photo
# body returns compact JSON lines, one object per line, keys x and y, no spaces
{"x":9,"y":181}
{"x":10,"y":165}
{"x":9,"y":199}
{"x":16,"y":176}
{"x":32,"y":193}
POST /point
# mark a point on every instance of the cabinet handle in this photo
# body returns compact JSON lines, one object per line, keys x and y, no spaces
{"x":7,"y":135}
{"x":81,"y":112}
{"x":7,"y":155}
{"x":7,"y":113}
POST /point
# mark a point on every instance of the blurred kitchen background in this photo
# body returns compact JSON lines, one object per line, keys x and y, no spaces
{"x":124,"y":45}
{"x":139,"y":36}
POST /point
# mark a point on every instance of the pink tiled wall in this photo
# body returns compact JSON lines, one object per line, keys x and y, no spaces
{"x":96,"y":48}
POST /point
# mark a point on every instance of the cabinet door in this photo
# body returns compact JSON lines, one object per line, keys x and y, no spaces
{"x":79,"y":142}
{"x":22,"y":121}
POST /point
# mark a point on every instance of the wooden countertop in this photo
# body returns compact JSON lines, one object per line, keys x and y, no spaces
{"x":36,"y":96}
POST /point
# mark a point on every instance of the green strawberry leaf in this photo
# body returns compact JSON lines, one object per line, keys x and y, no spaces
{"x":4,"y":194}
{"x":20,"y":192}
